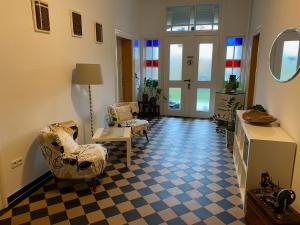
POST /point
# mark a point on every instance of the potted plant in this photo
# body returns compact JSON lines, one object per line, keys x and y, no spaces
{"x":226,"y":122}
{"x":151,"y":91}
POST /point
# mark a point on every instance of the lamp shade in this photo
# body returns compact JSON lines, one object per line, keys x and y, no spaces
{"x":88,"y":74}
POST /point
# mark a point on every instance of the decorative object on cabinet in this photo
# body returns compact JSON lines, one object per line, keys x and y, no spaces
{"x":262,"y":148}
{"x":285,"y":55}
{"x":40,"y":14}
{"x":258,"y":107}
{"x":76,"y":22}
{"x":98,"y":33}
{"x":257,"y":117}
{"x":88,"y":74}
{"x":273,"y":196}
{"x":259,"y":213}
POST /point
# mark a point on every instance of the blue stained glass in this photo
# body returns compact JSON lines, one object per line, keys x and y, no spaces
{"x":156,"y":43}
{"x":136,"y":43}
{"x":234,"y":41}
{"x":148,"y":43}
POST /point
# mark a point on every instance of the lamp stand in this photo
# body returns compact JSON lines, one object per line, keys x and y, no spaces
{"x":91,"y":111}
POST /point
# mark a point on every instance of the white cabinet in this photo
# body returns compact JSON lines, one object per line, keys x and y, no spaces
{"x":260,"y":149}
{"x":221,"y":101}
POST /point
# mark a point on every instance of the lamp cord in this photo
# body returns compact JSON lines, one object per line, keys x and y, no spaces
{"x":91,"y":110}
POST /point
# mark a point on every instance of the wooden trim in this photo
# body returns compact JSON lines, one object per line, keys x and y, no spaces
{"x":252,"y":73}
{"x":127,"y":70}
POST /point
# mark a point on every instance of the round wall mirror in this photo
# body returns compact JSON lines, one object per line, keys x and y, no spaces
{"x":285,"y":55}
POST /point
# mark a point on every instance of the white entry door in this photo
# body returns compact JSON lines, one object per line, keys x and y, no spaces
{"x":190,"y":75}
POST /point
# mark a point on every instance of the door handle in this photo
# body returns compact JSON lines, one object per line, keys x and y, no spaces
{"x":188,"y":80}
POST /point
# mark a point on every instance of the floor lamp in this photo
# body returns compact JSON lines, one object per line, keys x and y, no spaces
{"x":88,"y":74}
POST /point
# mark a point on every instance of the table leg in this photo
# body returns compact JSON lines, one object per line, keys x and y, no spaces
{"x":128,"y":142}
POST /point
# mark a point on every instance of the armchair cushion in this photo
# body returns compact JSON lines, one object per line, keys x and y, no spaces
{"x":137,"y":126}
{"x":67,"y":142}
{"x":124,"y":113}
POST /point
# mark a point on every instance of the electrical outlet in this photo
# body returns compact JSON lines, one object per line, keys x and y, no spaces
{"x":17,"y":162}
{"x":13,"y":164}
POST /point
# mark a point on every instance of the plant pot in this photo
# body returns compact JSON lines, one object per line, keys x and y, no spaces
{"x":145,"y":98}
{"x":153,"y":101}
{"x":229,"y":140}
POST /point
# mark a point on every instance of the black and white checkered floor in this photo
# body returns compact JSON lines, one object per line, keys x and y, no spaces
{"x":184,"y":175}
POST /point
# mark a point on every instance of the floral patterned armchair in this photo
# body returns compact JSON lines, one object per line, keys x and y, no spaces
{"x":124,"y":114}
{"x":65,"y":158}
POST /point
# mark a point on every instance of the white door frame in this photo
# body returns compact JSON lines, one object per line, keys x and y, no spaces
{"x":190,"y":73}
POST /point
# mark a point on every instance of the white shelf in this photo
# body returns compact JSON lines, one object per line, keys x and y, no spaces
{"x":266,"y":133}
{"x":268,"y":147}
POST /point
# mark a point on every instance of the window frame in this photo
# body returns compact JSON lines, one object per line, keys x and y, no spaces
{"x":145,"y":58}
{"x":189,"y":29}
{"x":241,"y":78}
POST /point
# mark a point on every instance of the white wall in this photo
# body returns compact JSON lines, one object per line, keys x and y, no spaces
{"x":36,"y":74}
{"x":281,"y":99}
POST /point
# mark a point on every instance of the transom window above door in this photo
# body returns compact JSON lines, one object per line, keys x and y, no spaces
{"x":201,"y":17}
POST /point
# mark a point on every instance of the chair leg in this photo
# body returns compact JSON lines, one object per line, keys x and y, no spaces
{"x":94,"y":184}
{"x":56,"y":180}
{"x":145,"y":133}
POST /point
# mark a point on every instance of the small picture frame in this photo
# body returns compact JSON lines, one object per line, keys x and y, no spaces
{"x":98,"y":33}
{"x":76,"y":24}
{"x":40,"y":14}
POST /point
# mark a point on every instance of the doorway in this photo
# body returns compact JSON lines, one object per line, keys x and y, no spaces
{"x":190,"y":75}
{"x":125,"y":69}
{"x":252,"y":72}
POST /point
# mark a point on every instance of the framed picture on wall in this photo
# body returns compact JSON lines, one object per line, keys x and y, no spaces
{"x":98,"y":33}
{"x":40,"y":14}
{"x":76,"y":24}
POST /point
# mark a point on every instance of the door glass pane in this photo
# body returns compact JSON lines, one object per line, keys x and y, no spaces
{"x":175,"y":98}
{"x":238,"y":50}
{"x":149,"y":55}
{"x":203,"y":99}
{"x":228,"y":72}
{"x":155,"y":53}
{"x":229,"y":52}
{"x":236,"y":72}
{"x":205,"y":62}
{"x":148,"y":72}
{"x":175,"y":69}
{"x":155,"y":73}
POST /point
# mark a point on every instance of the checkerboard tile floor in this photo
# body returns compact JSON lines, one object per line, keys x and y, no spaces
{"x":184,"y":175}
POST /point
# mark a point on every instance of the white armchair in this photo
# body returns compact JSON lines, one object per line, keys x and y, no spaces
{"x":124,"y":114}
{"x":68,"y":160}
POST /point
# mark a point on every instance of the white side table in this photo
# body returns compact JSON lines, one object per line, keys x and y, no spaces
{"x":115,"y":134}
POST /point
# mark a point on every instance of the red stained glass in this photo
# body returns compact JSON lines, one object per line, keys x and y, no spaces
{"x":148,"y":63}
{"x":233,"y":63}
{"x":152,"y":63}
{"x":155,"y":63}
